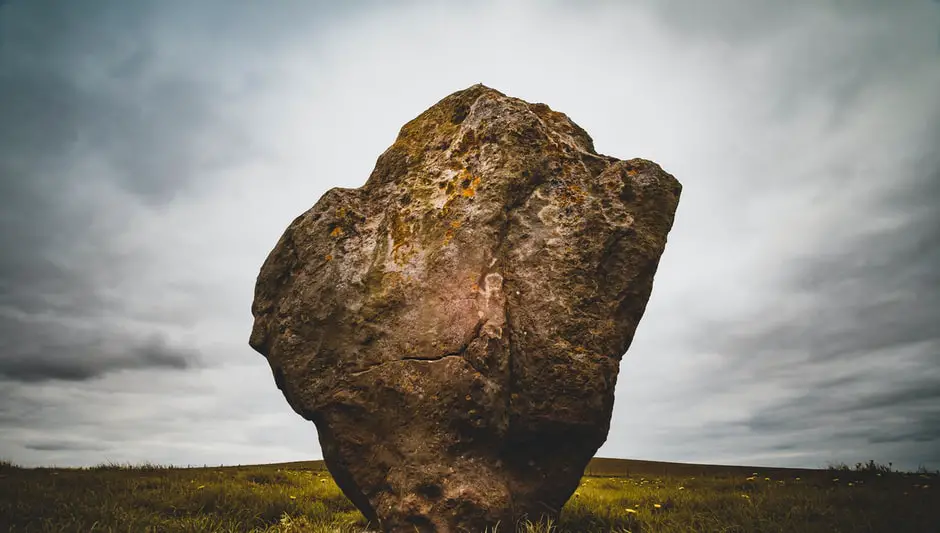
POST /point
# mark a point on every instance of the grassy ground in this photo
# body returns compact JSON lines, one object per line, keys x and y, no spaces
{"x":617,"y":495}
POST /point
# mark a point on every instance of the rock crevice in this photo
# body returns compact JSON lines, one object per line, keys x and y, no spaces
{"x":457,"y":353}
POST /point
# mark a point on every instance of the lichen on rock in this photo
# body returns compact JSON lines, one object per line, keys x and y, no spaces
{"x":454,"y":327}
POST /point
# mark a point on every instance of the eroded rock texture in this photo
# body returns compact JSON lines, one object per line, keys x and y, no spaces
{"x":454,"y":327}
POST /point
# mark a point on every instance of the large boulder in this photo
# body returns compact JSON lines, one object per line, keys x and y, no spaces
{"x":454,"y":327}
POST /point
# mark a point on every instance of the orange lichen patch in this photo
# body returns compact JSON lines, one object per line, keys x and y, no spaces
{"x":466,"y":183}
{"x":468,"y":186}
{"x":632,"y":172}
{"x":455,"y":224}
{"x":345,"y":220}
{"x":571,"y":194}
{"x":448,"y":235}
{"x":475,"y":287}
{"x":329,"y":257}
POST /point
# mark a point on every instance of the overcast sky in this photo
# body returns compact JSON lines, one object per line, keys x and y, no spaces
{"x":151,"y":154}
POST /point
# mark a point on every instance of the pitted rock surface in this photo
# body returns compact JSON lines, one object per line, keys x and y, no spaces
{"x":454,"y":327}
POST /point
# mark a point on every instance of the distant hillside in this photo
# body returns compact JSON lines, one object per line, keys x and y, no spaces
{"x":609,"y":467}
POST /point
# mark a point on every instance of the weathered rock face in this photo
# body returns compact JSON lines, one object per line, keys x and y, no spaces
{"x":454,"y":327}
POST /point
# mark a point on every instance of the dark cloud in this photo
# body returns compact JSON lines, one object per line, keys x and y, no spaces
{"x":859,"y":399}
{"x":79,"y":357}
{"x":83,"y":80}
{"x":926,"y":432}
{"x":64,"y":445}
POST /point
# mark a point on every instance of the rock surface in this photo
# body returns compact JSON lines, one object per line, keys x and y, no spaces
{"x":454,"y":327}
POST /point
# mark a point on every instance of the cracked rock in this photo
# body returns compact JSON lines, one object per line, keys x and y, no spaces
{"x":454,"y":327}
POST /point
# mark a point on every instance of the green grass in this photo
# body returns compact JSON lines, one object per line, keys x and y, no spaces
{"x":617,"y":495}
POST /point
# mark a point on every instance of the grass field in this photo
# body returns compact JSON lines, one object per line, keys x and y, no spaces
{"x":615,"y":495}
